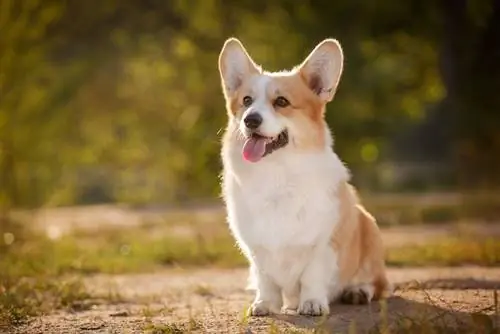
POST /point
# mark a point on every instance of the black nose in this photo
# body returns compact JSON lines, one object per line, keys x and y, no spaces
{"x":253,"y":120}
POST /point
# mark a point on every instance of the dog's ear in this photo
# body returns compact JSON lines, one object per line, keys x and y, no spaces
{"x":322,"y":68}
{"x":234,"y":65}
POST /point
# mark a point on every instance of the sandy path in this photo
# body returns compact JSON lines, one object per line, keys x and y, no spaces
{"x":215,"y":299}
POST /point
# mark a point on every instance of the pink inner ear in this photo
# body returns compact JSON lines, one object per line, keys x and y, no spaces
{"x":315,"y":84}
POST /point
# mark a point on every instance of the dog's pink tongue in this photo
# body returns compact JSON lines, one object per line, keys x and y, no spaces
{"x":254,"y":149}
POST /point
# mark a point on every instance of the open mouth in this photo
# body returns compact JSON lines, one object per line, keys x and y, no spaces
{"x":257,"y":146}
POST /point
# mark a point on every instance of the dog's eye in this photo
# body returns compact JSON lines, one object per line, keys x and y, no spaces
{"x":281,"y":102}
{"x":247,"y":101}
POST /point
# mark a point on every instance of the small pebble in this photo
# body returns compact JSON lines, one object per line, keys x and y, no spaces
{"x":119,"y":314}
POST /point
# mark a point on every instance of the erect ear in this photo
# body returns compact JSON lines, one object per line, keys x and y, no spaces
{"x":234,"y":65}
{"x":322,"y":68}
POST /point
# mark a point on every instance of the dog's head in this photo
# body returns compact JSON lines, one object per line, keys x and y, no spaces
{"x":280,"y":109}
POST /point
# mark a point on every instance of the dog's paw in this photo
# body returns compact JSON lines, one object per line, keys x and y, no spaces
{"x":290,"y":305}
{"x":259,"y":309}
{"x":313,"y":307}
{"x":289,"y":310}
{"x":356,"y":296}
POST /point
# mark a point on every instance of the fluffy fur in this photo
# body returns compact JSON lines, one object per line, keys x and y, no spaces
{"x":294,"y":214}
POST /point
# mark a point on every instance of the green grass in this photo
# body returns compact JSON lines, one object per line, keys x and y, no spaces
{"x":26,"y":290}
{"x":22,"y":298}
{"x":448,"y":252}
{"x":119,"y":251}
{"x":174,"y":328}
{"x":139,"y":249}
{"x":28,"y":287}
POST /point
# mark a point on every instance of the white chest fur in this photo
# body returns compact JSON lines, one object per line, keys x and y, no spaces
{"x":283,"y":207}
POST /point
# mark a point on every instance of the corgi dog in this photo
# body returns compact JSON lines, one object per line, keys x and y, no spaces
{"x":308,"y":240}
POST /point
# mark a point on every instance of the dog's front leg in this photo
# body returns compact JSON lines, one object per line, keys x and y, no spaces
{"x":314,"y":284}
{"x":291,"y":300}
{"x":268,"y":297}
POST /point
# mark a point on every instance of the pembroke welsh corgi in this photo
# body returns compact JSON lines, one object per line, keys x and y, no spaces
{"x":290,"y":207}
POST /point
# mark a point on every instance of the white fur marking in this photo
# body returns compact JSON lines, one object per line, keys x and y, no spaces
{"x":282,"y":213}
{"x":273,"y":123}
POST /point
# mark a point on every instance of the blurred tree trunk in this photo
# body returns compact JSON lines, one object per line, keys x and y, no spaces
{"x":7,"y":182}
{"x":470,"y":70}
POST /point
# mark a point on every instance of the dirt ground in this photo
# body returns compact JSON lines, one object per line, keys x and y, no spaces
{"x":214,"y":301}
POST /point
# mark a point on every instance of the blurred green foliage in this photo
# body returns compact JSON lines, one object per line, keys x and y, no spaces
{"x":120,"y":100}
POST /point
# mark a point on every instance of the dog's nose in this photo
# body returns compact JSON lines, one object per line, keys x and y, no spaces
{"x":253,"y":120}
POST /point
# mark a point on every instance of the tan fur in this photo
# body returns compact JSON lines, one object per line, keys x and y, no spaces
{"x":358,"y":241}
{"x":305,"y":109}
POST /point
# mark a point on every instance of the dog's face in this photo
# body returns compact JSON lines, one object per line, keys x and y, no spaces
{"x":276,"y":110}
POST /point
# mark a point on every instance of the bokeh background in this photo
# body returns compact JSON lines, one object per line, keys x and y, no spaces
{"x":111,"y":118}
{"x":120,"y":101}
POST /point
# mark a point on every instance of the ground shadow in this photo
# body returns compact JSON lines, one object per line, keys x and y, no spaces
{"x":450,"y":284}
{"x":404,"y":313}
